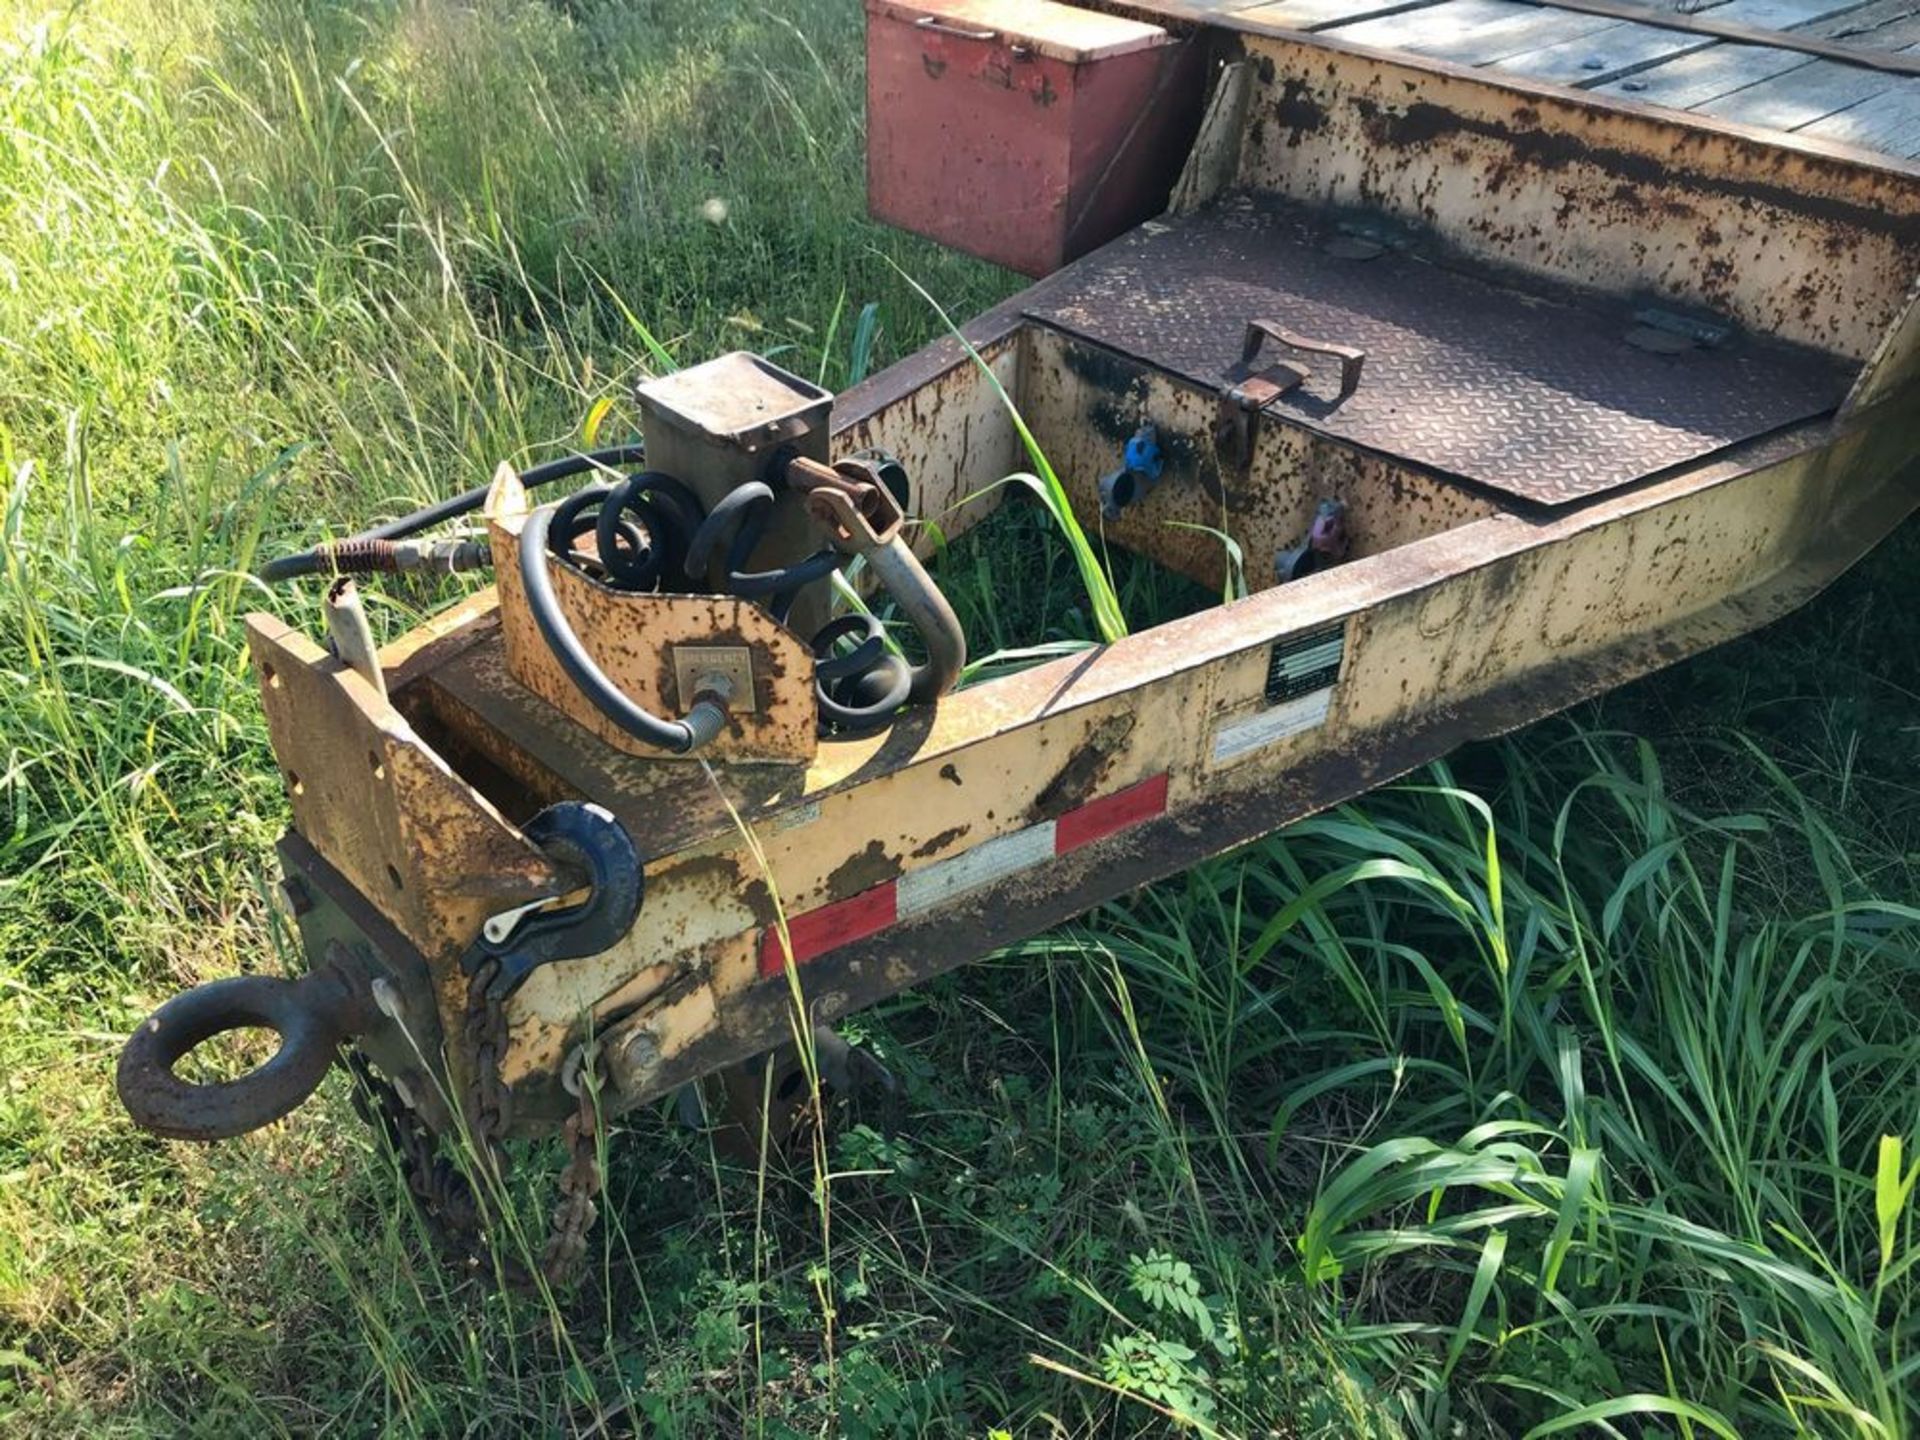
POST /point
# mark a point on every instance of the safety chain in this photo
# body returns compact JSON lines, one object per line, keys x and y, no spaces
{"x":443,"y":1196}
{"x":580,"y":1181}
{"x":458,"y":1215}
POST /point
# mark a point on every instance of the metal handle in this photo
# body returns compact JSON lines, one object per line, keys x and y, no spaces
{"x":959,"y":32}
{"x":311,"y":1015}
{"x":860,"y":512}
{"x":1351,"y":357}
{"x":900,"y":572}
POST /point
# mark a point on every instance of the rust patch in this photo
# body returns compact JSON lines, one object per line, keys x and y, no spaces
{"x":1085,"y":768}
{"x":939,"y":842}
{"x":862,"y":871}
{"x":1298,"y":111}
{"x":1423,"y":123}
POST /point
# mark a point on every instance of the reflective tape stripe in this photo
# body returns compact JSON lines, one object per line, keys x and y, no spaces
{"x":1099,"y":818}
{"x":974,"y":868}
{"x":1272,"y":725}
{"x":815,"y":932}
{"x":828,"y":928}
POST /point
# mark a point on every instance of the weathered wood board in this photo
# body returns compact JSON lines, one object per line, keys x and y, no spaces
{"x":1799,"y":96}
{"x":1889,"y":121}
{"x":1603,"y":55}
{"x":1704,"y":75}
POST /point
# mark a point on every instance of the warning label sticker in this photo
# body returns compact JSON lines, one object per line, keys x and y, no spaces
{"x":1302,"y":673}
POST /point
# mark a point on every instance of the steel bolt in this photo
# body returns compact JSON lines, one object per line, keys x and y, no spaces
{"x":640,"y":1055}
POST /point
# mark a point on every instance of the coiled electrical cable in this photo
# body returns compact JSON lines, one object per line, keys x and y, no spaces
{"x":641,"y":526}
{"x":865,"y":687}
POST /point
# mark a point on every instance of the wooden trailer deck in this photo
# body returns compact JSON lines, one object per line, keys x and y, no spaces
{"x":1843,"y":72}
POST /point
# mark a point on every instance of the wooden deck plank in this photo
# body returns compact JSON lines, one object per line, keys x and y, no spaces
{"x":1703,"y":75}
{"x":1889,"y":121}
{"x":1208,"y":7}
{"x":1782,"y":14}
{"x":1322,"y":14}
{"x":1857,"y":25}
{"x":1604,"y":55}
{"x":1434,"y":25}
{"x":1799,"y":96}
{"x":1514,"y":35}
{"x":1901,"y":34}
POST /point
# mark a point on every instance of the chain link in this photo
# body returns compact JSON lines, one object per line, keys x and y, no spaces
{"x":580,"y":1182}
{"x":458,"y":1215}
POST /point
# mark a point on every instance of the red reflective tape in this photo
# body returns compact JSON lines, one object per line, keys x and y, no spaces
{"x":828,"y":928}
{"x":815,"y":932}
{"x":1099,"y":818}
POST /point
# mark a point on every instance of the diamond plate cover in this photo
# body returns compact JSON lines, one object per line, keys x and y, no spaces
{"x":1534,"y":392}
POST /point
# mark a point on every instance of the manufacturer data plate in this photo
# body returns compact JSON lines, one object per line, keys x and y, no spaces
{"x":1303,"y":663}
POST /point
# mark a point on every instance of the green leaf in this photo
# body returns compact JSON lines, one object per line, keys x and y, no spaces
{"x":1492,"y":1252}
{"x":1635,"y":1405}
{"x":1107,"y":614}
{"x":1581,"y":1167}
{"x":1890,"y":1192}
{"x":596,"y":415}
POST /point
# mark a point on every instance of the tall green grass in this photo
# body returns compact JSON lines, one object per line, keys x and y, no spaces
{"x":1533,"y":1090}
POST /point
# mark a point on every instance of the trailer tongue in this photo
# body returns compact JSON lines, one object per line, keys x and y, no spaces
{"x":1503,"y":393}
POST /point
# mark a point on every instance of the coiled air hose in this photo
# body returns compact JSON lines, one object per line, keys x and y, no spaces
{"x":374,"y":551}
{"x":650,"y":534}
{"x":703,"y":722}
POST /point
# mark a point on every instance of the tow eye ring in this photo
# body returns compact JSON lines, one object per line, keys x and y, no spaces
{"x":312,"y":1016}
{"x":587,"y":838}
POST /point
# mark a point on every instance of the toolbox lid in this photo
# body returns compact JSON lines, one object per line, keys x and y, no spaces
{"x":1060,"y":32}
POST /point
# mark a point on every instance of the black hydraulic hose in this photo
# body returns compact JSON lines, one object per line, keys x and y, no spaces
{"x":702,"y":723}
{"x":739,"y":520}
{"x":369,"y":552}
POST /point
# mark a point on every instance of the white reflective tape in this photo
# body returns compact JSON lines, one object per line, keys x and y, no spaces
{"x":985,"y":863}
{"x":1290,"y":717}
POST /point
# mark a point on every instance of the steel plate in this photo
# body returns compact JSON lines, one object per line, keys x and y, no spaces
{"x":1510,"y":381}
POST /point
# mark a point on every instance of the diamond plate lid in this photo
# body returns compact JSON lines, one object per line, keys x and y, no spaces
{"x":1513,"y":382}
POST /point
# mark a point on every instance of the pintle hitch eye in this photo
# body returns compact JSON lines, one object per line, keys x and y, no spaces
{"x":588,"y":840}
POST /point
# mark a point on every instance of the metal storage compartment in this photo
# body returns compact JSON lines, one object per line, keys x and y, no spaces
{"x":1022,"y":131}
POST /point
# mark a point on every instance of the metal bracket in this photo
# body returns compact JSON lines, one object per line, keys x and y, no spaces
{"x":589,"y":839}
{"x":1351,"y":357}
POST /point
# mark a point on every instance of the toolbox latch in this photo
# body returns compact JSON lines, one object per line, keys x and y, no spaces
{"x":1246,"y":392}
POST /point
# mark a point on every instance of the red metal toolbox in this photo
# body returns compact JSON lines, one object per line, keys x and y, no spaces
{"x":1023,"y":131}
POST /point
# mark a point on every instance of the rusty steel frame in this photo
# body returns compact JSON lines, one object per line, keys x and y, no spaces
{"x":837,"y":880}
